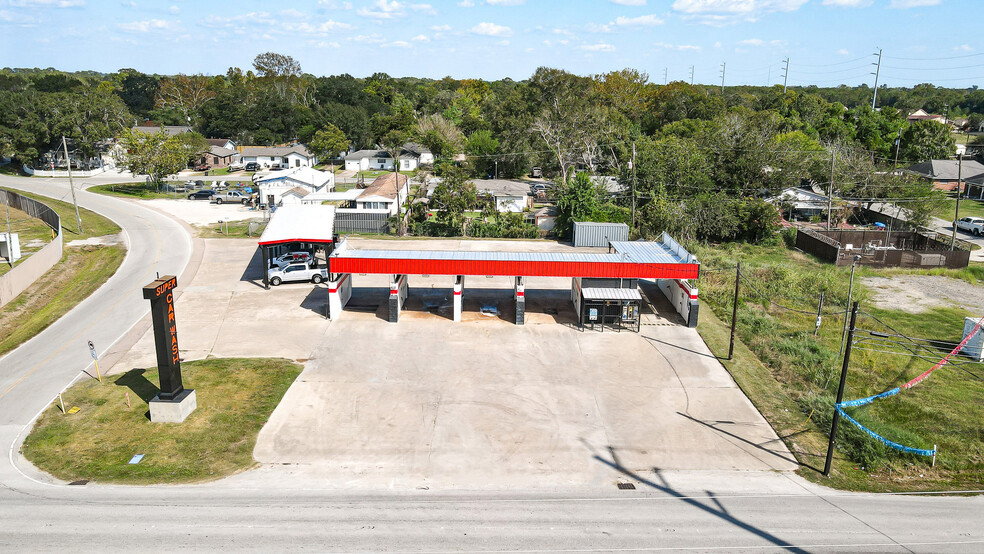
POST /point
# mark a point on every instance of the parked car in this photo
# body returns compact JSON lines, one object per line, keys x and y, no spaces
{"x":230,"y":196}
{"x":973,"y":225}
{"x":292,"y":257}
{"x":202,"y":167}
{"x":252,"y":166}
{"x":203,"y":194}
{"x":536,"y":172}
{"x":236,"y":166}
{"x":300,"y":271}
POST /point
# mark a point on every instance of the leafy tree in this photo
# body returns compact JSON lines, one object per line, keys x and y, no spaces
{"x":156,"y":155}
{"x":578,"y":198}
{"x":441,"y":136}
{"x":482,"y":146}
{"x":926,"y":140}
{"x":328,"y":142}
{"x":183,"y":94}
{"x":452,"y":197}
{"x":271,"y":64}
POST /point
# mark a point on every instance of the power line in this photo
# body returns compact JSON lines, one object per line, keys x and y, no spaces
{"x":934,"y":59}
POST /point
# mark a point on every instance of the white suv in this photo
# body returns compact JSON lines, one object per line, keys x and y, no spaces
{"x":973,"y":225}
{"x":291,"y":257}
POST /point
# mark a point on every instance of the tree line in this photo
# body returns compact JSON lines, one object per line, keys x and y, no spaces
{"x":693,"y":159}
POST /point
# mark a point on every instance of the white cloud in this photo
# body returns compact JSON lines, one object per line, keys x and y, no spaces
{"x":843,"y":52}
{"x":368,"y":39}
{"x":847,"y":3}
{"x":906,"y":4}
{"x":292,"y":13}
{"x":642,"y":20}
{"x":128,"y":4}
{"x":383,"y":9}
{"x":492,"y":30}
{"x":313,"y":28}
{"x":324,"y":44}
{"x":717,"y":44}
{"x":174,"y":9}
{"x":677,"y":47}
{"x":47,"y":3}
{"x":600,"y":47}
{"x":629,"y":2}
{"x":964,"y":48}
{"x":397,"y":44}
{"x":724,"y":12}
{"x":333,"y":5}
{"x":502,"y":42}
{"x":6,"y":15}
{"x":421,"y":38}
{"x":505,"y":2}
{"x":562,"y":32}
{"x":146,"y":26}
{"x":440,"y":28}
{"x":466,"y":4}
{"x":596,"y":28}
{"x":752,"y":42}
{"x":423,"y":8}
{"x":237,"y":22}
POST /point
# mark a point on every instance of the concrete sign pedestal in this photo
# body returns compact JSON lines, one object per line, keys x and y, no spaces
{"x":175,"y":410}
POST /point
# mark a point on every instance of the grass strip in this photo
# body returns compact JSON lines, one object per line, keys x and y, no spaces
{"x":235,"y":398}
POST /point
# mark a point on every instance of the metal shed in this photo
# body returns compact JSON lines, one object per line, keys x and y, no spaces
{"x":588,"y":233}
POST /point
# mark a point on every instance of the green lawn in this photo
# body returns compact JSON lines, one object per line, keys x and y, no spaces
{"x":28,"y":230}
{"x":148,"y":192}
{"x":235,"y":398}
{"x":968,"y":207}
{"x":792,"y":376}
{"x":93,"y":224}
{"x":231,"y":230}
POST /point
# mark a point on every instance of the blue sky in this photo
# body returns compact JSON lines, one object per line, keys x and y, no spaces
{"x":828,"y":42}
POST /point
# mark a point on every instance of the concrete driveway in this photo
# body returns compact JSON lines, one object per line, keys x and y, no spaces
{"x":479,"y":404}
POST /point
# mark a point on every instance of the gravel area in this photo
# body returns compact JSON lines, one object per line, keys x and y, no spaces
{"x":919,"y":293}
{"x":201,"y":212}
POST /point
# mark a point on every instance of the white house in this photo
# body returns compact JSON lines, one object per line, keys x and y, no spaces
{"x":278,"y":157}
{"x":274,"y":185}
{"x":800,"y":203}
{"x":381,"y":196}
{"x":412,"y":156}
{"x":363,"y":160}
{"x":509,"y":196}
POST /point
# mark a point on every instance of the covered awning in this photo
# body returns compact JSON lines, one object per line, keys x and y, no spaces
{"x":304,"y":223}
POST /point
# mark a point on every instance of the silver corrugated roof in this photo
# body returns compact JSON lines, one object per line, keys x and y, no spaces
{"x":610,"y":294}
{"x":666,"y":251}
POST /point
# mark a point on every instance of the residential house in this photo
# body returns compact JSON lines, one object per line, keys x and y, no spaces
{"x":975,"y":187}
{"x":275,"y":184}
{"x":219,"y":156}
{"x":364,"y":160}
{"x":278,"y":157}
{"x":508,"y":195}
{"x":544,"y":218}
{"x":943,"y":173}
{"x":922,"y":115}
{"x":222,"y":143}
{"x":797,"y":203}
{"x":415,"y":155}
{"x":294,"y":196}
{"x":381,"y":196}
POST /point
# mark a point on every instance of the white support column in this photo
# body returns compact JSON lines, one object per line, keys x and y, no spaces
{"x":399,"y":289}
{"x":520,"y":296}
{"x":339,"y":293}
{"x":459,"y":285}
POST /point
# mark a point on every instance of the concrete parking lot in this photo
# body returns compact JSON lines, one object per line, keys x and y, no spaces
{"x":482,"y":403}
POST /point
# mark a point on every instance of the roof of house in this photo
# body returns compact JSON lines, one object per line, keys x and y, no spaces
{"x":218,"y":141}
{"x":305,"y":175}
{"x":800,"y":198}
{"x":385,"y":186}
{"x":299,"y":191}
{"x":374,"y":153}
{"x":221,"y":152}
{"x":502,"y":187}
{"x":169,"y":130}
{"x":946,"y":170}
{"x":546,"y":211}
{"x":610,"y":184}
{"x":275,"y":150}
{"x":325,"y":196}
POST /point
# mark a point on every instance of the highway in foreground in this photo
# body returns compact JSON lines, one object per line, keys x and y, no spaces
{"x":272,"y":510}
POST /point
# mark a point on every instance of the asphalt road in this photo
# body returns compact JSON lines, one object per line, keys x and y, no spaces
{"x":262,"y":511}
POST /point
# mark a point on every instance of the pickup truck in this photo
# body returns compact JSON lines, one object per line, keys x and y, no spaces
{"x":299,"y":271}
{"x":974,"y":225}
{"x":231,"y":196}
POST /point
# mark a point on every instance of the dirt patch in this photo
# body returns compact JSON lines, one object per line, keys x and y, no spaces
{"x":919,"y":293}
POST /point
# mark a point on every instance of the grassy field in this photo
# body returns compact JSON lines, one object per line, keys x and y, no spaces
{"x":792,"y":376}
{"x":235,"y":398}
{"x":93,"y":224}
{"x":28,"y":230}
{"x":968,"y":208}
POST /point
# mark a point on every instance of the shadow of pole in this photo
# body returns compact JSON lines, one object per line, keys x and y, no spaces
{"x":742,"y":439}
{"x":717,"y":509}
{"x":136,"y":382}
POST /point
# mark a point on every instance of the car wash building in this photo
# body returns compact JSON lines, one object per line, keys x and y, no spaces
{"x":298,"y":228}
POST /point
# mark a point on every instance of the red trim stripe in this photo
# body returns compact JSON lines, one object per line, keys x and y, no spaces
{"x":687,"y":290}
{"x":285,"y":241}
{"x":513,"y":268}
{"x":520,"y":293}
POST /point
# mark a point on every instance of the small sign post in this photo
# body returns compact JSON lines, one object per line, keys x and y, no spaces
{"x":95,"y":360}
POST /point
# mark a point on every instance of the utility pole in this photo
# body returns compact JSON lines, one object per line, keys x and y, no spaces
{"x":816,"y":328}
{"x":956,"y":213}
{"x":785,"y":74}
{"x":734,"y":313}
{"x":665,"y":73}
{"x":691,"y":75}
{"x":876,"y":74}
{"x":10,"y":236}
{"x":850,"y":295}
{"x":633,"y":164}
{"x":71,"y":185}
{"x":898,"y":146}
{"x":830,"y":186}
{"x":724,"y":65}
{"x":840,"y":393}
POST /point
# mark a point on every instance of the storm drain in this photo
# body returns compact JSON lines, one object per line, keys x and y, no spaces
{"x":626,"y":486}
{"x":79,"y":482}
